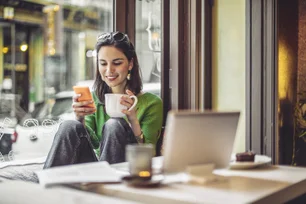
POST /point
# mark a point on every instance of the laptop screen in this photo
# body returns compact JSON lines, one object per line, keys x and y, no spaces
{"x":193,"y":138}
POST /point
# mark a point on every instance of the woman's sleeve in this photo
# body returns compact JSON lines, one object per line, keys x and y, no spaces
{"x":90,"y":124}
{"x":152,"y":122}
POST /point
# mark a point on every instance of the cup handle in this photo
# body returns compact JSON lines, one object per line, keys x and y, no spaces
{"x":135,"y":102}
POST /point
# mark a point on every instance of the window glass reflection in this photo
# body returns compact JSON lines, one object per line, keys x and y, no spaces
{"x":148,"y":42}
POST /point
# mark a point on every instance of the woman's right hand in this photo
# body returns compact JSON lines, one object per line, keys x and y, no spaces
{"x":81,"y":109}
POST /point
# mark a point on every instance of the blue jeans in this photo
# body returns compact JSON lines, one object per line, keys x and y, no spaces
{"x":72,"y":145}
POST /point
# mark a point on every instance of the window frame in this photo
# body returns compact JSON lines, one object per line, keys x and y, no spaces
{"x":262,"y":78}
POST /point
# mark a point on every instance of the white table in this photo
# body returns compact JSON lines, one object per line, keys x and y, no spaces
{"x":20,"y":192}
{"x":272,"y":184}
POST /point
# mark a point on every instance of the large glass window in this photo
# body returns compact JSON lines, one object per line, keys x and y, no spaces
{"x":46,"y":48}
{"x":148,"y":42}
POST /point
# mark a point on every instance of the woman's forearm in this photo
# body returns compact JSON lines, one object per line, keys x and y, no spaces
{"x":135,"y":125}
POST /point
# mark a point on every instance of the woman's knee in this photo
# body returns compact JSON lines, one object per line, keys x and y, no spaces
{"x":71,"y":124}
{"x":116,"y":124}
{"x":119,"y":130}
{"x":70,"y":128}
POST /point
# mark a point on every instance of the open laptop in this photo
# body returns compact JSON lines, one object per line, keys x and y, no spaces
{"x":193,"y":138}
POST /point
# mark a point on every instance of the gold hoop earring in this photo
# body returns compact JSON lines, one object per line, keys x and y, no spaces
{"x":129,"y":75}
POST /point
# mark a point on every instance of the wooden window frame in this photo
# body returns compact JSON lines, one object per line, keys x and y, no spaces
{"x":261,"y":78}
{"x":190,"y":54}
{"x":124,"y":17}
{"x":206,"y":62}
{"x":165,"y":59}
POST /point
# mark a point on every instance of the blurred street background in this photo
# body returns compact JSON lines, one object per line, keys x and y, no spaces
{"x":46,"y":47}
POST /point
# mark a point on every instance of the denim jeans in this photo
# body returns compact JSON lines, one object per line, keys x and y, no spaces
{"x":72,"y":145}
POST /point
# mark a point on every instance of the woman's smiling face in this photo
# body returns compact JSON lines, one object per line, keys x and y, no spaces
{"x":113,"y":68}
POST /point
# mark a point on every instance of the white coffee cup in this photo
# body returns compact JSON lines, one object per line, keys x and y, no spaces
{"x":113,"y":106}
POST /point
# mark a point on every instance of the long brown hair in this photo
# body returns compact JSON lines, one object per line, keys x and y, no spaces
{"x":120,"y":41}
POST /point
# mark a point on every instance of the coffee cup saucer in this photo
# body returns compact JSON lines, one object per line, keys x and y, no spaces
{"x":136,"y":181}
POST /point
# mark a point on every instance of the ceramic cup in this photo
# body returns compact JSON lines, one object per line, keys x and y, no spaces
{"x":113,"y":106}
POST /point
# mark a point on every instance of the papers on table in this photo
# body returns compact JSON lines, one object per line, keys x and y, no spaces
{"x":20,"y":162}
{"x":98,"y":172}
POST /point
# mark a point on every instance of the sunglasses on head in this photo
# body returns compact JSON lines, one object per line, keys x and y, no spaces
{"x":114,"y":36}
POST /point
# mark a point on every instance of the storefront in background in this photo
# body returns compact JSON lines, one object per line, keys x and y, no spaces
{"x":44,"y":46}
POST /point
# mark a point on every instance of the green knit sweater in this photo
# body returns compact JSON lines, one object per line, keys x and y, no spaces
{"x":149,"y":113}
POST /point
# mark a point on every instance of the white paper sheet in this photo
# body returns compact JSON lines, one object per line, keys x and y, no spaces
{"x":99,"y":172}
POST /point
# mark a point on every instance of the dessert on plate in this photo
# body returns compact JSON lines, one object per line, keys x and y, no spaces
{"x":248,"y":156}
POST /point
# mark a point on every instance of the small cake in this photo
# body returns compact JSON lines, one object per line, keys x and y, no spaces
{"x":245,"y":157}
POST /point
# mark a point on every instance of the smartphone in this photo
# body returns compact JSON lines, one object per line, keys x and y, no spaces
{"x":85,"y":94}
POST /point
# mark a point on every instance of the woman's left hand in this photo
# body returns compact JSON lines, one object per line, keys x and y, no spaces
{"x":128,"y":102}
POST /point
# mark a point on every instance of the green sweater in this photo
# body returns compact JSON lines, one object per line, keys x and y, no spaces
{"x":149,"y":113}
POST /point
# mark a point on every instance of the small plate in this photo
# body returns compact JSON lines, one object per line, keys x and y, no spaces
{"x":260,"y":160}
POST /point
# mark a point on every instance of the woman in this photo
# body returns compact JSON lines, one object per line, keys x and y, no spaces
{"x":94,"y":135}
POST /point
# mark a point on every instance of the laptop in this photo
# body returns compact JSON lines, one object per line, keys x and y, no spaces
{"x":194,"y":138}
